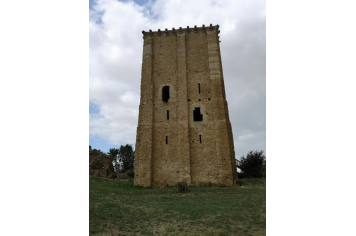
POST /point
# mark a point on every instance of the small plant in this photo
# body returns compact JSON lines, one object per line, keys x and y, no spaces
{"x":182,"y":187}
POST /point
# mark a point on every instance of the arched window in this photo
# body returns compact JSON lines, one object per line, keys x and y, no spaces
{"x":165,"y":93}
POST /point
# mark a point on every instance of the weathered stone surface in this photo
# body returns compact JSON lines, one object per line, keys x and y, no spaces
{"x":180,"y":149}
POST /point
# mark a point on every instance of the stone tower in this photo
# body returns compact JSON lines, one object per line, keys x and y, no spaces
{"x":184,"y":132}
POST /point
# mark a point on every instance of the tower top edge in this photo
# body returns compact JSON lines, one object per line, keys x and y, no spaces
{"x":181,"y":30}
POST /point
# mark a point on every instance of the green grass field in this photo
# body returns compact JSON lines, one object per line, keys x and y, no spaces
{"x":119,"y":208}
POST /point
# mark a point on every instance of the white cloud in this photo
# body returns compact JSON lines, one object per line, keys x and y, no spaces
{"x":116,"y":56}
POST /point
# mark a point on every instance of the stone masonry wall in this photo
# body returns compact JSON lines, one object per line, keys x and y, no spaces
{"x":179,"y":149}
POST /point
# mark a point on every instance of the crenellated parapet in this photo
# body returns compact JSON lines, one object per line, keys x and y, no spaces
{"x":181,"y":30}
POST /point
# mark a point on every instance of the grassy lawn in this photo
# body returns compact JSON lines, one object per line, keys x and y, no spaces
{"x":119,"y":208}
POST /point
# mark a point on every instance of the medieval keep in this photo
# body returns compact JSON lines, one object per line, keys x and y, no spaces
{"x":184,"y":132}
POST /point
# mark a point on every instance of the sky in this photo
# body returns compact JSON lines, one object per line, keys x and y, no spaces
{"x":115,"y":59}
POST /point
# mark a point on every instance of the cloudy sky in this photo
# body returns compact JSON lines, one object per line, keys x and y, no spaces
{"x":115,"y":57}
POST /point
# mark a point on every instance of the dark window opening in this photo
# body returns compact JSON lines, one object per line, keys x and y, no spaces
{"x":200,"y":138}
{"x":199,"y":87}
{"x":197,"y":115}
{"x":165,"y":93}
{"x":167,"y":114}
{"x":166,"y":139}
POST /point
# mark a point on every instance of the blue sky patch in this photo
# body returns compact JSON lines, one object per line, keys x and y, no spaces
{"x":98,"y":143}
{"x":93,"y":108}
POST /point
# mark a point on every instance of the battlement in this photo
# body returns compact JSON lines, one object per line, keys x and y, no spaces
{"x":181,"y":30}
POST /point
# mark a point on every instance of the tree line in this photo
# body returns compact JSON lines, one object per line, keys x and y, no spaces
{"x":117,"y":160}
{"x":123,"y":161}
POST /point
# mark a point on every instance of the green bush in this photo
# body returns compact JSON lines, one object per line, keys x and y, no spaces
{"x":130,"y":173}
{"x":241,"y":175}
{"x":253,"y":164}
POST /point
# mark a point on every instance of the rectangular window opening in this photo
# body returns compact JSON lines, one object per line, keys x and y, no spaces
{"x":200,"y":138}
{"x":165,"y":93}
{"x":199,"y":87}
{"x":197,"y":116}
{"x":166,"y":139}
{"x":167,"y":114}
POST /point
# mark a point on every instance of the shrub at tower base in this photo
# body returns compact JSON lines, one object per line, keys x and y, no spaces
{"x":253,"y":165}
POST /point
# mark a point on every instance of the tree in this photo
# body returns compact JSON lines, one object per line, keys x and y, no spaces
{"x":113,"y":153}
{"x":253,"y":165}
{"x":101,"y":164}
{"x":127,"y":156}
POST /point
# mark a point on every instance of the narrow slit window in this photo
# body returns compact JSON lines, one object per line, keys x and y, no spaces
{"x":166,"y":139}
{"x":200,"y":138}
{"x":165,"y":93}
{"x":197,"y":116}
{"x":199,"y":87}
{"x":167,"y":114}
